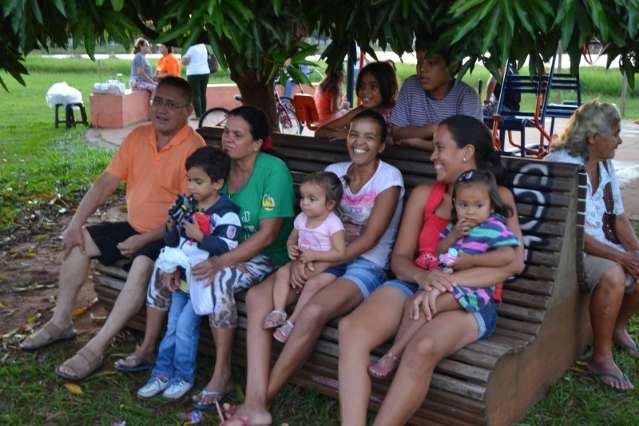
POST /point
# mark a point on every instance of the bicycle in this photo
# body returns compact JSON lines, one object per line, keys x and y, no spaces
{"x":285,"y":115}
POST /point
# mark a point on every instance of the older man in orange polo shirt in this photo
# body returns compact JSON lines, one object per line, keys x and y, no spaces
{"x":151,"y":161}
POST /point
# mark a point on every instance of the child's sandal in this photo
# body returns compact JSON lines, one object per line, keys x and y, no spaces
{"x":275,"y":319}
{"x":384,"y":366}
{"x":283,"y":333}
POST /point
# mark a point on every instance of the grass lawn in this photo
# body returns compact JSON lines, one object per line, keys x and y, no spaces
{"x":43,"y":173}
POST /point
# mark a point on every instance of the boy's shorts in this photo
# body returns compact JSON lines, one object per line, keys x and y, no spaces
{"x":108,"y":235}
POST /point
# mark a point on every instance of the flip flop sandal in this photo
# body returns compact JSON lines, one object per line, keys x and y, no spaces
{"x":212,"y":396}
{"x":47,"y":335}
{"x":82,"y":364}
{"x":274,"y":319}
{"x":633,"y":351}
{"x":141,"y":364}
{"x":600,"y":375}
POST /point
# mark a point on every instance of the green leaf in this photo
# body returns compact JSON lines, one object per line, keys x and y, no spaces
{"x":523,"y":19}
{"x":277,"y":7}
{"x":567,"y":27}
{"x":174,"y":33}
{"x":462,"y":6}
{"x":489,"y":36}
{"x":472,"y":21}
{"x":633,"y":22}
{"x":37,"y":13}
{"x":117,"y":5}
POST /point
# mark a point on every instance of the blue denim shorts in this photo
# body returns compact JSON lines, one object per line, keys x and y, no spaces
{"x":407,"y":289}
{"x":364,"y":273}
{"x":486,"y":317}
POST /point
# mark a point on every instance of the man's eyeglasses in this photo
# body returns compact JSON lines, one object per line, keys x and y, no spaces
{"x":169,"y":104}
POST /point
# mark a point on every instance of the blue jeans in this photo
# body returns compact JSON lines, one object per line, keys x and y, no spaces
{"x":178,"y":349}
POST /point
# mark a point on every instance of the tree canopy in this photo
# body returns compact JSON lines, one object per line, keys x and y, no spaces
{"x":255,"y":39}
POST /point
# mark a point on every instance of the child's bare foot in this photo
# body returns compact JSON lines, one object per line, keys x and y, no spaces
{"x":384,"y":367}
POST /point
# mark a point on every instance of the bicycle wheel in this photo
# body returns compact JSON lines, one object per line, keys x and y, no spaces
{"x":287,"y":119}
{"x":214,"y":117}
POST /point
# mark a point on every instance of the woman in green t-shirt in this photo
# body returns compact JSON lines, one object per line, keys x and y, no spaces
{"x":262,"y":187}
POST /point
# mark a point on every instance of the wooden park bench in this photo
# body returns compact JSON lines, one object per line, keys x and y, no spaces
{"x":543,"y":321}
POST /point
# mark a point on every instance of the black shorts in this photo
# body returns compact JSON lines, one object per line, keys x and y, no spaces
{"x":108,"y":235}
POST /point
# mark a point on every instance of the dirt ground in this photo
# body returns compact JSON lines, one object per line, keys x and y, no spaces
{"x":30,"y":260}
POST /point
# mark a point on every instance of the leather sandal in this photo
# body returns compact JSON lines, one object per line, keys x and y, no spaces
{"x":82,"y":364}
{"x":47,"y":335}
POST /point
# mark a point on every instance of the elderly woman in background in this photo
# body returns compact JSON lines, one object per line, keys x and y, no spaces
{"x":141,"y":74}
{"x":611,"y":259}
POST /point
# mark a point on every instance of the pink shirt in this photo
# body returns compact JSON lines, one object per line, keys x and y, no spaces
{"x":318,"y":238}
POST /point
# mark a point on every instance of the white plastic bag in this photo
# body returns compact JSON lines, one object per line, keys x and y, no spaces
{"x":111,"y":87}
{"x":62,"y":93}
{"x":189,"y":255}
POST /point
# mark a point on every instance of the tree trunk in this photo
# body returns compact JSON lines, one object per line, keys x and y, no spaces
{"x":256,"y":93}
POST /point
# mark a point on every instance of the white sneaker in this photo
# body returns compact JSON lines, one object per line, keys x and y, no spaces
{"x":154,"y":386}
{"x":177,"y":390}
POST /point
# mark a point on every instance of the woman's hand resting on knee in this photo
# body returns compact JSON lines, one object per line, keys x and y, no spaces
{"x":437,"y":279}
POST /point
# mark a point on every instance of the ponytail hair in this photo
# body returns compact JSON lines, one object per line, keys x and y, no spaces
{"x":467,"y":130}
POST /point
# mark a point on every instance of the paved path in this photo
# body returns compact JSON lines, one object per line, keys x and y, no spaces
{"x":626,"y":159}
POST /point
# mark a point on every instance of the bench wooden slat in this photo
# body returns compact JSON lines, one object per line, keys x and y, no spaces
{"x":530,"y":286}
{"x":525,"y":299}
{"x":520,"y":312}
{"x":538,"y":272}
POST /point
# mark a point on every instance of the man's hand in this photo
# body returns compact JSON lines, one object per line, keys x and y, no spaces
{"x":71,"y":237}
{"x":131,"y":245}
{"x":192,"y":231}
{"x":630,"y":262}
